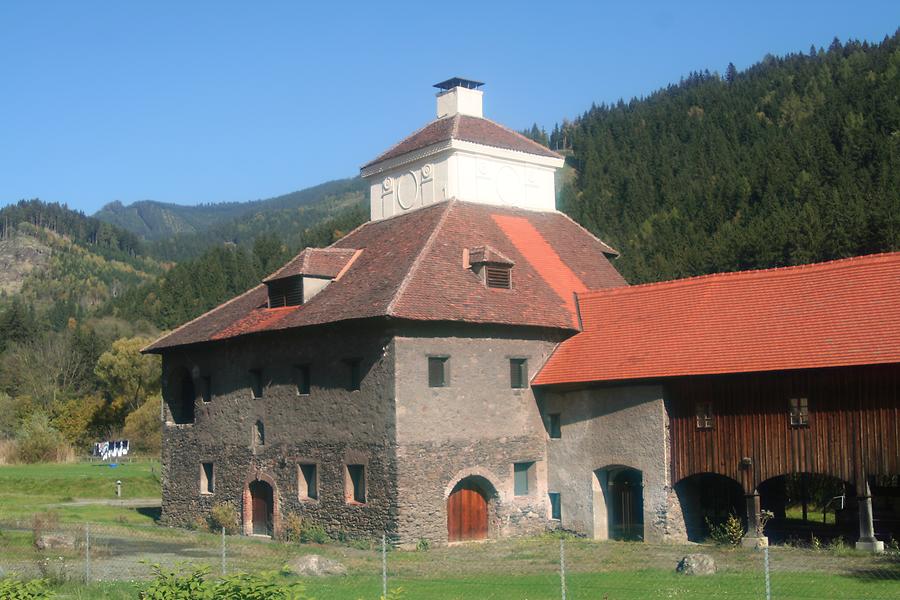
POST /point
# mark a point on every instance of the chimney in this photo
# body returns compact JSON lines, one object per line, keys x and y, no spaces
{"x":459,"y":97}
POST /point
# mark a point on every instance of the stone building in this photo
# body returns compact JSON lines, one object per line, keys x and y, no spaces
{"x":469,"y":364}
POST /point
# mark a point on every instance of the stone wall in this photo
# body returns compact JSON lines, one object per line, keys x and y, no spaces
{"x":477,"y":425}
{"x":614,"y":426}
{"x":332,"y":427}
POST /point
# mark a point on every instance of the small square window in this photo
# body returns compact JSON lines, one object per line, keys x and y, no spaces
{"x":355,"y":484}
{"x":301,"y":377}
{"x":207,"y":479}
{"x":206,"y":391}
{"x":308,"y":481}
{"x":705,"y":415}
{"x":523,"y":478}
{"x":438,"y":375}
{"x":799,"y":412}
{"x":518,"y":373}
{"x":555,"y":512}
{"x":256,"y":383}
{"x":354,"y":374}
{"x":554,"y":427}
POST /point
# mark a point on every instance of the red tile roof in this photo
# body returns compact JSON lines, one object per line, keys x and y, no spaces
{"x":839,"y":313}
{"x":411,"y":267}
{"x":316,"y":262}
{"x":469,"y":129}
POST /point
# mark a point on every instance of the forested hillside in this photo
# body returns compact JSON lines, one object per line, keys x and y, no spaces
{"x":794,"y":160}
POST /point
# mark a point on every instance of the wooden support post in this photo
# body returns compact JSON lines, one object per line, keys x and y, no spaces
{"x":867,"y":539}
{"x":753,"y":538}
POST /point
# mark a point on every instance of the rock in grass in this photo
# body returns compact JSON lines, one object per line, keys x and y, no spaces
{"x":54,"y":542}
{"x":313,"y":565}
{"x":696,"y":564}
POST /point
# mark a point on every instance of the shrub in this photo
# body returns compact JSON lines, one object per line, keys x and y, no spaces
{"x":35,"y":589}
{"x":312,"y":533}
{"x":184,"y":584}
{"x":143,"y":426}
{"x":297,"y":529}
{"x":176,"y":585}
{"x":224,"y":516}
{"x":727,"y":533}
{"x":38,"y":441}
{"x":423,"y":545}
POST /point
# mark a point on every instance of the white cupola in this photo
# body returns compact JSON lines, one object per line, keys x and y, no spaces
{"x":462,"y":155}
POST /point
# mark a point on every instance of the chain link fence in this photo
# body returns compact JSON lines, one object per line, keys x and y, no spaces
{"x":91,"y":556}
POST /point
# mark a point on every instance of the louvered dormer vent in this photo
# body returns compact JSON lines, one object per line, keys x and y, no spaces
{"x":307,"y":274}
{"x":285,"y":292}
{"x":494,"y":269}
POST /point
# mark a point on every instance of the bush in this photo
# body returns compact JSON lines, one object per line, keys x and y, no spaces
{"x":224,"y":516}
{"x":297,"y":529}
{"x":38,"y":441}
{"x":423,"y":545}
{"x":728,"y":533}
{"x":13,"y":589}
{"x":143,"y":426}
{"x":193,"y":585}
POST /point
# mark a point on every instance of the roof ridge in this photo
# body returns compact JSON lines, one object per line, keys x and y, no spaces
{"x":822,"y":266}
{"x":197,"y":318}
{"x":414,"y":268}
{"x":527,"y":139}
{"x":378,"y":158}
{"x":588,"y":231}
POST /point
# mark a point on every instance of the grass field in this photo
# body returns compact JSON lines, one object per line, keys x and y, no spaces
{"x":125,"y":539}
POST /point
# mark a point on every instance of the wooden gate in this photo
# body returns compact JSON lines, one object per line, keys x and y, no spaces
{"x":467,"y":513}
{"x":626,"y":517}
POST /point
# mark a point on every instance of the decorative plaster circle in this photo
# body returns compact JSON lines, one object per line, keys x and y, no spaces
{"x":407,"y":190}
{"x":509,"y":187}
{"x":426,"y":170}
{"x":387,"y":184}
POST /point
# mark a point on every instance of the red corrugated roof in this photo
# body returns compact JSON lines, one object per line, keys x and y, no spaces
{"x":466,"y":128}
{"x":839,"y":313}
{"x":411,"y":267}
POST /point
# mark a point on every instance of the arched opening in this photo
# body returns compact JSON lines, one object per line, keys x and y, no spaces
{"x":262,"y":505}
{"x":181,"y":396}
{"x":807,"y":507}
{"x":618,"y":504}
{"x":708,"y":498}
{"x":468,"y":509}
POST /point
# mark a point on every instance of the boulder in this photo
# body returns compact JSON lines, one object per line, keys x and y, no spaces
{"x":51,"y":541}
{"x":696,"y":564}
{"x":313,"y":565}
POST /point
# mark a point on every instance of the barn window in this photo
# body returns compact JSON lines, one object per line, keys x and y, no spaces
{"x":285,"y":292}
{"x":259,"y":434}
{"x":301,"y":378}
{"x":498,"y":276}
{"x":207,"y":479}
{"x":206,"y":389}
{"x":523,"y":478}
{"x":704,"y":415}
{"x":555,"y":512}
{"x":354,"y":374}
{"x":355,"y":484}
{"x":256,"y":383}
{"x":308,"y":481}
{"x":799,"y":412}
{"x":554,"y":428}
{"x":518,"y":373}
{"x":438,"y":371}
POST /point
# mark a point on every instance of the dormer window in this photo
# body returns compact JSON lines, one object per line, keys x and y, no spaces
{"x":494,"y":269}
{"x":307,"y":274}
{"x":286,"y":292}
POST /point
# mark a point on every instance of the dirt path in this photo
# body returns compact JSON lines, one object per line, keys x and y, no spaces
{"x":121,"y":502}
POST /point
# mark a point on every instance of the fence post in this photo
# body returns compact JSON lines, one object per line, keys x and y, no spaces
{"x":223,"y":552}
{"x":87,"y":553}
{"x":766,"y":566}
{"x":562,"y":567}
{"x":383,"y":566}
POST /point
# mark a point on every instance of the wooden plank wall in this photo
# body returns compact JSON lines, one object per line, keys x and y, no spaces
{"x":854,"y":424}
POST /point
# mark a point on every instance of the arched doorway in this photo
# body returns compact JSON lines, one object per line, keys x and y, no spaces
{"x":468,"y":508}
{"x":708,"y":498}
{"x":618,"y":504}
{"x":262,"y":504}
{"x":181,"y":396}
{"x":809,"y":505}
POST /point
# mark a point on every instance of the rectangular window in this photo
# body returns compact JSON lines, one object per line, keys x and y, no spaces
{"x":207,"y":480}
{"x":704,"y":415}
{"x":523,"y":478}
{"x":301,"y":376}
{"x":555,"y":512}
{"x":554,"y":428}
{"x":799,"y":412}
{"x":518,"y":373}
{"x":355,"y":486}
{"x":354,"y":374}
{"x":256,"y":383}
{"x":308,"y":482}
{"x":437,"y":371}
{"x":206,"y":392}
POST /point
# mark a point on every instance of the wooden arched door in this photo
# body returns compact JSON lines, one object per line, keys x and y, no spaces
{"x":262,"y":505}
{"x":467,"y":512}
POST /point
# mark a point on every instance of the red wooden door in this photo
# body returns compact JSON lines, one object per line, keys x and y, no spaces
{"x":261,"y":494}
{"x":467,"y":514}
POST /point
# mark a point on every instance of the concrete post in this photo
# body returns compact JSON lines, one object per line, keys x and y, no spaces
{"x":753,"y":538}
{"x":867,"y":539}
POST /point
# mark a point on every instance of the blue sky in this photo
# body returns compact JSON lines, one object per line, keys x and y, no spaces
{"x":193,"y":102}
